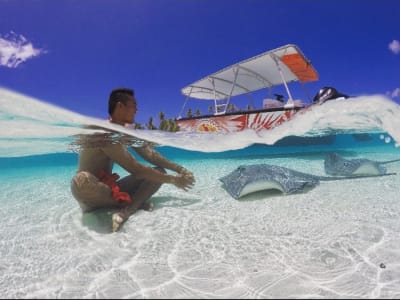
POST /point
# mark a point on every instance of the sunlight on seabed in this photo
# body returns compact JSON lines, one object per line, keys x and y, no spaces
{"x":30,"y":126}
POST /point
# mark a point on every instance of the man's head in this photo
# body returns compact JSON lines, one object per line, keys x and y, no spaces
{"x":122,"y":106}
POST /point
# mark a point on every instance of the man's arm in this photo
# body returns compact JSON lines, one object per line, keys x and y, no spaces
{"x":121,"y":156}
{"x":148,"y":153}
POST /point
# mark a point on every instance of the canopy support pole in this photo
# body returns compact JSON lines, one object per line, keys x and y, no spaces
{"x":236,"y":72}
{"x":215,"y":96}
{"x":289,"y":103}
{"x":184,"y":104}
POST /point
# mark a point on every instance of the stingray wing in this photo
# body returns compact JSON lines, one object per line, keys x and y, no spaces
{"x":338,"y":166}
{"x":253,"y":178}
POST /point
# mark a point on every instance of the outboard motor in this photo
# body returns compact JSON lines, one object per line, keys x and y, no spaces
{"x":327,"y":93}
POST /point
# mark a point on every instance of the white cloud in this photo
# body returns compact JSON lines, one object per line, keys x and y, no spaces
{"x":396,"y":93}
{"x":394,"y":46}
{"x":16,"y":49}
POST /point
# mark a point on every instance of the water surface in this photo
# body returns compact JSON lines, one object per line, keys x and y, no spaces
{"x":338,"y":240}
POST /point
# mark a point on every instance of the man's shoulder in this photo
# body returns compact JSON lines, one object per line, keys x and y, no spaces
{"x":116,"y":149}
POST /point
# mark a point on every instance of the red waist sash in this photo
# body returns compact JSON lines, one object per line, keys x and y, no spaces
{"x":111,"y":180}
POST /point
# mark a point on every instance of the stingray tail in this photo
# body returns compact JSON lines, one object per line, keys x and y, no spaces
{"x":390,"y":161}
{"x":327,"y":178}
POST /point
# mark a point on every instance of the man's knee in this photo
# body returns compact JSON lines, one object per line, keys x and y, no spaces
{"x":89,"y":192}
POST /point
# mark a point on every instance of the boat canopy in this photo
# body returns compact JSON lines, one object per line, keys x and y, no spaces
{"x":276,"y":67}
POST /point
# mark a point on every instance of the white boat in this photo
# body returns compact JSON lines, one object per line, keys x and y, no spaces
{"x":270,"y":69}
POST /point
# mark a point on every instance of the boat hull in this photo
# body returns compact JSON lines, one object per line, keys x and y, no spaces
{"x":260,"y":120}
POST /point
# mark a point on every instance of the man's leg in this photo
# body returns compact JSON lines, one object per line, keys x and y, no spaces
{"x":90,"y":193}
{"x":140,"y":191}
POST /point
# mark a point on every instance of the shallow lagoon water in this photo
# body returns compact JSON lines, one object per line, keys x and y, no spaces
{"x":338,"y":240}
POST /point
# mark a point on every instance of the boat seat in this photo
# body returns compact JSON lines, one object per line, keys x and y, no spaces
{"x":298,"y":103}
{"x":272,"y":103}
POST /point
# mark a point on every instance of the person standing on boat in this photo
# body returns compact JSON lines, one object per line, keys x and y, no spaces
{"x":95,"y":186}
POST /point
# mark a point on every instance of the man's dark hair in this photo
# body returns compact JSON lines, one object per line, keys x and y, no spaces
{"x":119,"y":95}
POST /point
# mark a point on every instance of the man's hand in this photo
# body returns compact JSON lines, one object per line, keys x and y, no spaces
{"x":185,"y":172}
{"x":184,"y":182}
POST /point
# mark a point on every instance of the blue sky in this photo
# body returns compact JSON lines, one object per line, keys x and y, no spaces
{"x":72,"y":53}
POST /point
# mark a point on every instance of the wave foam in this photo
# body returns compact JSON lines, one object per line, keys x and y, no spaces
{"x":25,"y":119}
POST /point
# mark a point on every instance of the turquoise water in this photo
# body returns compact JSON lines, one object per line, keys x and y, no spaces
{"x":338,"y":240}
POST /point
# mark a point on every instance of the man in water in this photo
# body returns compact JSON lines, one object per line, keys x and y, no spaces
{"x":95,"y":186}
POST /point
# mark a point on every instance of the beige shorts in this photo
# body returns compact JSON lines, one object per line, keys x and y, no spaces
{"x":90,"y":192}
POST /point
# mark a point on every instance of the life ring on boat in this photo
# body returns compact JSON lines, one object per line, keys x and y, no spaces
{"x":207,"y":126}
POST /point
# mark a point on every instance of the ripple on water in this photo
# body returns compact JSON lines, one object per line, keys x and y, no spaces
{"x":328,"y":242}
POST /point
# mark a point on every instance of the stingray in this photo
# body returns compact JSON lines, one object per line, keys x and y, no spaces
{"x":338,"y":166}
{"x":247,"y":179}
